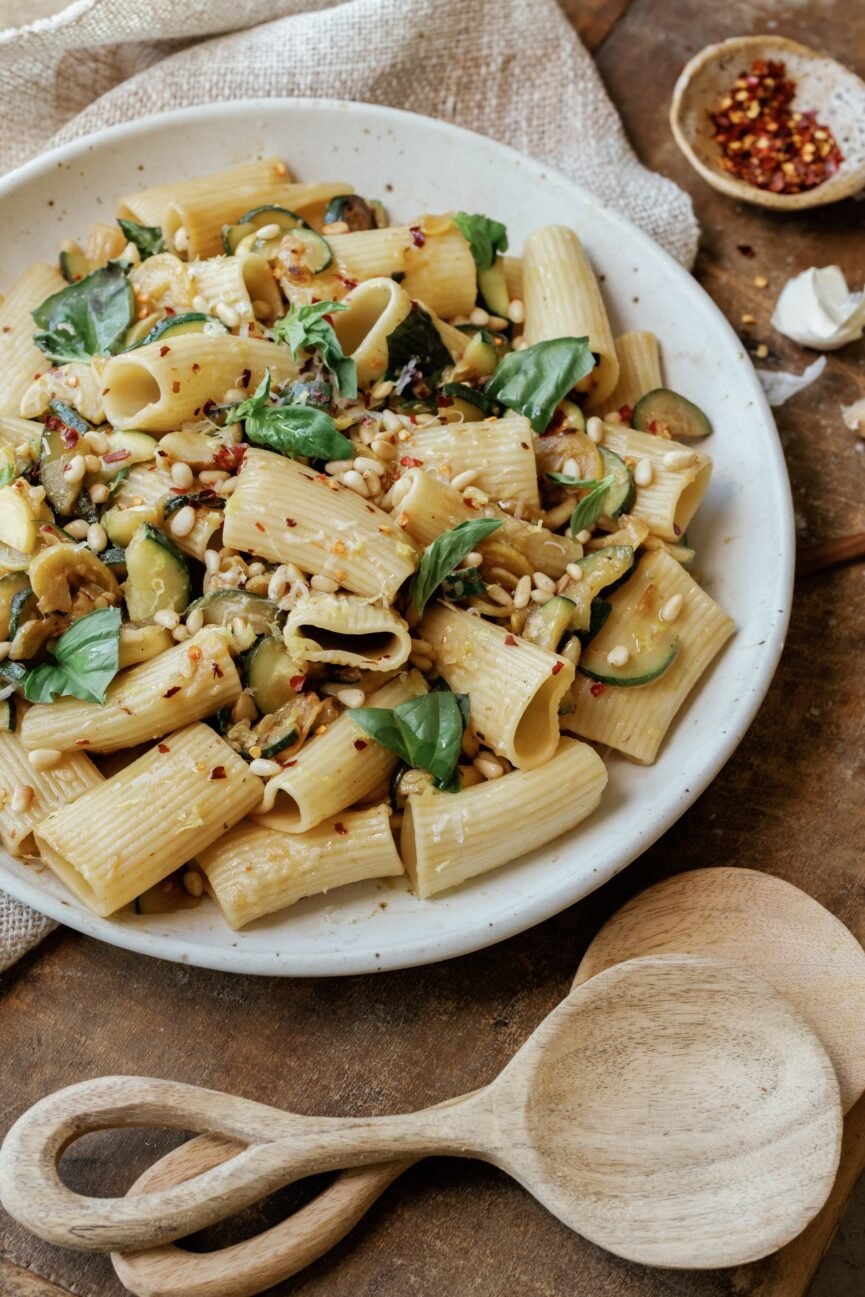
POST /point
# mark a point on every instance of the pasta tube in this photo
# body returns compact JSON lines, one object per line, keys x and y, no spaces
{"x":201,"y":216}
{"x":28,"y":795}
{"x":148,"y":819}
{"x":437,"y":268}
{"x":243,"y":282}
{"x":639,"y":369}
{"x":372,"y":311}
{"x":148,"y":206}
{"x":563,"y":300}
{"x":514,"y":687}
{"x":158,"y":387}
{"x":336,"y":769}
{"x":348,"y":631}
{"x":680,"y":476}
{"x":430,"y":506}
{"x":189,"y":681}
{"x":22,"y":359}
{"x":634,"y":721}
{"x":500,"y":452}
{"x":449,"y":837}
{"x":253,"y":871}
{"x":284,"y":511}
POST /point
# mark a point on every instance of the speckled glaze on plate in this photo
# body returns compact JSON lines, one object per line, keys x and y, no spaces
{"x":743,"y":533}
{"x":822,"y":83}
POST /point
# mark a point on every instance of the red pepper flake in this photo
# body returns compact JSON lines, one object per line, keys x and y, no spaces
{"x":68,"y":435}
{"x":218,"y":772}
{"x":525,"y":445}
{"x":245,"y":378}
{"x":217,"y":670}
{"x":169,"y":310}
{"x":444,"y":401}
{"x":115,"y":456}
{"x":418,"y":237}
{"x":297,"y":683}
{"x":626,"y":414}
{"x":340,"y":828}
{"x":597,"y":689}
{"x":164,"y":350}
{"x":409,"y":461}
{"x":768,"y":143}
{"x":677,"y":529}
{"x":291,"y":522}
{"x":557,"y":667}
{"x":259,"y":526}
{"x":175,"y":386}
{"x":230,"y":458}
{"x":82,"y":743}
{"x":360,"y":744}
{"x":510,"y":641}
{"x":288,"y":764}
{"x":162,"y":747}
{"x":175,"y":689}
{"x":470,"y":503}
{"x":196,"y":368}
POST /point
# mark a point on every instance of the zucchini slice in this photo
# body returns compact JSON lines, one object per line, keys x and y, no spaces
{"x":547,"y":623}
{"x":622,"y":494}
{"x":158,"y":578}
{"x":17,"y":528}
{"x":480,"y":357}
{"x":220,"y":607}
{"x":257,"y":218}
{"x":122,"y":524}
{"x":12,"y":673}
{"x":601,"y":569}
{"x":667,"y":413}
{"x":141,"y":643}
{"x":648,"y":659}
{"x":406,"y":780}
{"x":10,"y":585}
{"x":22,"y":609}
{"x":307,"y":249}
{"x":269,"y":670}
{"x":114,"y":559}
{"x":74,"y":266}
{"x":355,"y":212}
{"x":174,"y":326}
{"x":598,"y":614}
{"x":493,"y":288}
{"x":7,"y":714}
{"x":61,"y":433}
{"x":469,"y":401}
{"x":124,"y":450}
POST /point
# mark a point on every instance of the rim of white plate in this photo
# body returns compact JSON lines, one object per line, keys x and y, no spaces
{"x":523,"y":912}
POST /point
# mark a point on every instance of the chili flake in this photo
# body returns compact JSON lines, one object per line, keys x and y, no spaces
{"x":360,"y":744}
{"x":510,"y":641}
{"x":597,"y":689}
{"x":340,"y":828}
{"x":162,"y":747}
{"x":163,"y":351}
{"x":169,"y":693}
{"x":218,"y":772}
{"x":418,"y":237}
{"x":297,"y":683}
{"x":557,"y":667}
{"x":765,"y":141}
{"x":409,"y":461}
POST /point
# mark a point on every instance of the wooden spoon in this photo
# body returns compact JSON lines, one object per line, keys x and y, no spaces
{"x":822,"y":84}
{"x":677,"y":1111}
{"x":739,"y":915}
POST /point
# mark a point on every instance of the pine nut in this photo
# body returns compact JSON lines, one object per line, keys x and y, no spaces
{"x":212,"y":476}
{"x":423,"y":646}
{"x":183,"y":521}
{"x":181,"y":475}
{"x":199,"y":304}
{"x":351,"y":697}
{"x":544,"y":582}
{"x":574,"y":571}
{"x":570,"y":468}
{"x":337,"y":466}
{"x":584,"y":536}
{"x":99,"y":493}
{"x":679,"y":459}
{"x":97,"y":537}
{"x":193,"y":883}
{"x":479,"y":317}
{"x":497,"y":324}
{"x":541,"y":596}
{"x":595,"y":430}
{"x":271,"y":231}
{"x":195,"y":621}
{"x":227,"y":315}
{"x":181,"y":239}
{"x":422,"y":663}
{"x":211,"y":560}
{"x":619,"y":655}
{"x":92,"y":463}
{"x":364,"y":465}
{"x":44,"y":758}
{"x":264,"y":768}
{"x":499,"y":596}
{"x":244,"y":709}
{"x":324,"y":584}
{"x":166,"y":617}
{"x":353,"y":480}
{"x":391,"y":421}
{"x":516,"y":311}
{"x":97,"y":441}
{"x":75,"y":469}
{"x":77,"y":529}
{"x":523,"y":592}
{"x":382,"y":390}
{"x":21,"y":798}
{"x":488,"y":766}
{"x":462,"y":480}
{"x":179,"y":634}
{"x":384,"y":449}
{"x":644,"y":473}
{"x":672,"y":608}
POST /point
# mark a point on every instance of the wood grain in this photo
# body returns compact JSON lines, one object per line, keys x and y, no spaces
{"x":788,"y":802}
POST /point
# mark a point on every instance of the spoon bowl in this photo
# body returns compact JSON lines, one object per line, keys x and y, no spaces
{"x":822,"y":83}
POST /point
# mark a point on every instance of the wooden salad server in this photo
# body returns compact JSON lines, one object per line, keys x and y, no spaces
{"x":675,"y":1110}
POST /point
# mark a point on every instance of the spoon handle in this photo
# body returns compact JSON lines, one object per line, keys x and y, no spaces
{"x":282,"y":1147}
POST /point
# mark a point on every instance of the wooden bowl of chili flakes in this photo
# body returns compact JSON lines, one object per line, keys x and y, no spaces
{"x":771,"y":122}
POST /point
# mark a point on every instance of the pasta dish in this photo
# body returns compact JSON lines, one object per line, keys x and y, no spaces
{"x":330,"y":549}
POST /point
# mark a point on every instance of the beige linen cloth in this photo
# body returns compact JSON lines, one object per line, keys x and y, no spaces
{"x":510,"y":69}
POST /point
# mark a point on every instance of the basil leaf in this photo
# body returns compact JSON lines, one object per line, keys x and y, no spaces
{"x":87,"y":658}
{"x":534,"y":380}
{"x":565,"y":479}
{"x":590,"y":508}
{"x":117,"y":481}
{"x":306,"y":329}
{"x":444,"y":554}
{"x":416,"y":342}
{"x":148,"y":239}
{"x":485,"y":237}
{"x":292,"y":430}
{"x":426,"y":732}
{"x":463,"y":584}
{"x":88,"y":318}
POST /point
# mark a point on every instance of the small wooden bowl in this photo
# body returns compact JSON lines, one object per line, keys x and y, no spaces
{"x":822,"y":84}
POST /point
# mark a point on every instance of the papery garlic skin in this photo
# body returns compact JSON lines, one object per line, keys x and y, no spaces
{"x":817,"y":309}
{"x":779,"y":384}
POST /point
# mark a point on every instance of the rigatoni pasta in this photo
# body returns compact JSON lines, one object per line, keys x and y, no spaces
{"x":314,"y":510}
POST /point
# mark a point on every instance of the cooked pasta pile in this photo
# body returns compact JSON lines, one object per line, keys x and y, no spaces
{"x":328,"y":548}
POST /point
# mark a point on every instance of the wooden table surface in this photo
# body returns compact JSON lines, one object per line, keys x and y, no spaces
{"x":790,"y":801}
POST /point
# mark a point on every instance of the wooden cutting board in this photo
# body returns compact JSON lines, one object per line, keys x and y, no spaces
{"x":789,"y":802}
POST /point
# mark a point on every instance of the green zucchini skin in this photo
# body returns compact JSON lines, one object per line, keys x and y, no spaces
{"x":220,"y":607}
{"x":269,"y":669}
{"x":493,"y":289}
{"x":623,"y":492}
{"x":602,"y":570}
{"x":158,"y":576}
{"x":8,"y":714}
{"x":663,"y":411}
{"x":174,"y":326}
{"x":642,"y":667}
{"x":547,"y":623}
{"x":22,"y":608}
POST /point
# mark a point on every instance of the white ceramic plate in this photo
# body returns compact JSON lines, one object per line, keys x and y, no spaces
{"x":743,"y":533}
